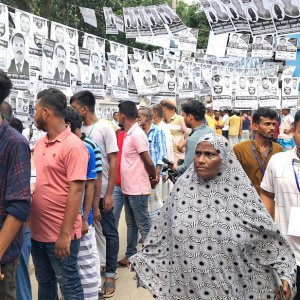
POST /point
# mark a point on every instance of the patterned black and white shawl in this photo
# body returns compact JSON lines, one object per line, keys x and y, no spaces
{"x":214,"y":239}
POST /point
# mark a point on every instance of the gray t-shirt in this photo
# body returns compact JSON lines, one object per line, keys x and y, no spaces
{"x":104,"y":136}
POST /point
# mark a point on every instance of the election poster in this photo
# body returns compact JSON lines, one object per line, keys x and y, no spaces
{"x":187,"y":39}
{"x":131,"y":27}
{"x":259,"y":16}
{"x":268,"y":92}
{"x":143,"y":24}
{"x":145,"y":78}
{"x":132,"y":90}
{"x":238,"y":44}
{"x":4,"y":38}
{"x":205,"y":83}
{"x":166,"y":82}
{"x":289,"y":92}
{"x":197,"y":79}
{"x":237,"y":15}
{"x":262,"y":46}
{"x":246,"y":92}
{"x":157,"y":25}
{"x":110,"y":21}
{"x":93,"y":43}
{"x":185,"y":81}
{"x":286,"y":16}
{"x":286,"y":48}
{"x":221,"y":88}
{"x":217,"y":16}
{"x":24,"y":107}
{"x":56,"y":66}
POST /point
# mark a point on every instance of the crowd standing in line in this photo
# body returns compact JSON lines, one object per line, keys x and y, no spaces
{"x":70,"y":175}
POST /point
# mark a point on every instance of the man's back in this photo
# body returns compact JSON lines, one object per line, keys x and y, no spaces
{"x":234,"y":125}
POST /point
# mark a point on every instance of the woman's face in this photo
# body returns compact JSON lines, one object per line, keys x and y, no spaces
{"x":207,"y":161}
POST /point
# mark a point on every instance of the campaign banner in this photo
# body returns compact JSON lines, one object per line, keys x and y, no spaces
{"x":170,"y":18}
{"x":56,"y":66}
{"x":268,"y":92}
{"x":262,"y":46}
{"x":118,"y":75}
{"x":110,"y":21}
{"x":238,"y":44}
{"x":236,"y":13}
{"x":92,"y":68}
{"x":217,"y":16}
{"x":289,"y":92}
{"x":286,"y":48}
{"x":157,"y":24}
{"x":286,"y":16}
{"x":246,"y":92}
{"x":221,"y":88}
{"x":145,"y":77}
{"x":131,"y":27}
{"x":4,"y":38}
{"x":259,"y":16}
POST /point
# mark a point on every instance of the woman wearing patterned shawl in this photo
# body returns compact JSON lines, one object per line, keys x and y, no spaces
{"x":214,"y":239}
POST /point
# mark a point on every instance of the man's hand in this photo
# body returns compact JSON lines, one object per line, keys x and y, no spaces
{"x":286,"y":290}
{"x":85,"y":227}
{"x":1,"y":275}
{"x":165,"y":178}
{"x":154,"y":182}
{"x":62,"y":245}
{"x":108,"y":203}
{"x":96,"y":214}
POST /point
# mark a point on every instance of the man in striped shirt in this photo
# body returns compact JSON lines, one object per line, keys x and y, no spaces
{"x":88,"y":258}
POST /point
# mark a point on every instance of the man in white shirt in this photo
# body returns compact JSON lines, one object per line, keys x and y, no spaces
{"x":281,"y":194}
{"x":285,"y":137}
{"x":225,"y":119}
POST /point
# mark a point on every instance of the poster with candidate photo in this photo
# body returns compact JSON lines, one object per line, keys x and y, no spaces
{"x":157,"y":24}
{"x":262,"y":46}
{"x":185,"y":88}
{"x":237,"y":15}
{"x":221,"y":88}
{"x":130,"y":23}
{"x":246,"y":92}
{"x":92,"y":68}
{"x":56,"y":66}
{"x":110,"y":21}
{"x":119,"y":50}
{"x":187,"y":39}
{"x":286,"y":16}
{"x":4,"y":38}
{"x":132,"y":90}
{"x":286,"y":48}
{"x":118,"y":76}
{"x":170,"y":18}
{"x":24,"y":106}
{"x":93,"y":43}
{"x":167,"y":82}
{"x":259,"y":16}
{"x":145,"y":78}
{"x":217,"y":16}
{"x":19,"y":67}
{"x":238,"y":44}
{"x":205,"y":84}
{"x":289,"y":92}
{"x":143,"y":25}
{"x":268,"y":92}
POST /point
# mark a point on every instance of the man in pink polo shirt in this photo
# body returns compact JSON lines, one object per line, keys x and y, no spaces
{"x":61,"y":161}
{"x":137,"y":176}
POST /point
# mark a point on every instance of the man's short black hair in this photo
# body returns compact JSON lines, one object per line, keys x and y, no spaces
{"x":264,"y":112}
{"x":195,"y":108}
{"x":6,"y":111}
{"x":60,"y":47}
{"x":19,"y":35}
{"x":55,"y":99}
{"x":16,"y":124}
{"x":74,"y":118}
{"x":85,"y":98}
{"x":297,"y":118}
{"x":5,"y":86}
{"x":129,"y":109}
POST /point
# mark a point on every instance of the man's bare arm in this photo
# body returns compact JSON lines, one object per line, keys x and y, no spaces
{"x":268,"y":200}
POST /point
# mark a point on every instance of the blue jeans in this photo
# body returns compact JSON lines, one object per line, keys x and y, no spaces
{"x":137,"y":219}
{"x":49,"y":270}
{"x":111,"y":235}
{"x":118,"y":203}
{"x":23,"y":285}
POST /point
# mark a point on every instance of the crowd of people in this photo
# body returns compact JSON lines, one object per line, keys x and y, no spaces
{"x":222,"y":229}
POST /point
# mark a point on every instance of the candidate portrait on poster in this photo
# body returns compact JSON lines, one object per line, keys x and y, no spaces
{"x":18,"y":65}
{"x":61,"y":72}
{"x":120,"y":71}
{"x":97,"y":77}
{"x":186,"y":82}
{"x":149,"y":78}
{"x":59,"y":33}
{"x":24,"y":23}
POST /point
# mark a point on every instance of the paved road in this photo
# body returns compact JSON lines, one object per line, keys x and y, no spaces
{"x":125,"y":285}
